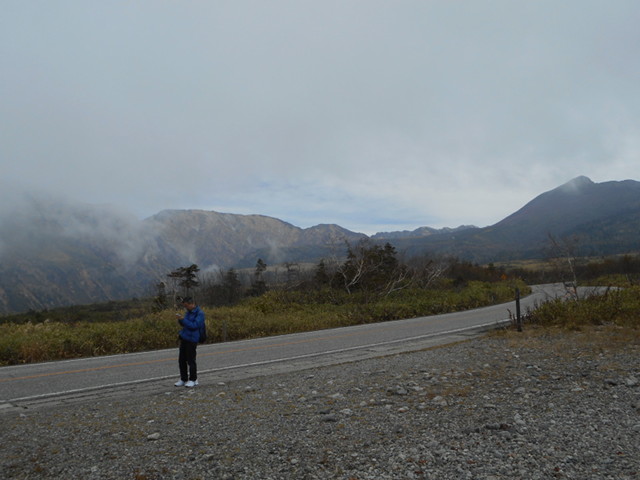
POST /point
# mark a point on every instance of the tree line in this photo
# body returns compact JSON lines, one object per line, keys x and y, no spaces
{"x":368,"y":270}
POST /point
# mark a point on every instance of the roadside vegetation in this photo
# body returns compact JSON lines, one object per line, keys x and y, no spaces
{"x":619,"y":307}
{"x":371,"y":284}
{"x":612,"y":317}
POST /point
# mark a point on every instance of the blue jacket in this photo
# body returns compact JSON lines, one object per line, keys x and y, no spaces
{"x":191,"y":323}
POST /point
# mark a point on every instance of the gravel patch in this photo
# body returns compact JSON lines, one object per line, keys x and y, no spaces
{"x":535,"y":405}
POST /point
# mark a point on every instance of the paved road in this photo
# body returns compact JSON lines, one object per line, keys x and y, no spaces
{"x":33,"y":385}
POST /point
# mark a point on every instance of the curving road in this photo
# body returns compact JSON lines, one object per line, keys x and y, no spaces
{"x":33,"y":385}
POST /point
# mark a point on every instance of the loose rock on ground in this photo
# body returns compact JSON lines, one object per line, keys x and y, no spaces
{"x":536,"y":405}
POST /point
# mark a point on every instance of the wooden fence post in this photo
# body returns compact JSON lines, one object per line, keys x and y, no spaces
{"x":224,"y":329}
{"x":518,"y":316}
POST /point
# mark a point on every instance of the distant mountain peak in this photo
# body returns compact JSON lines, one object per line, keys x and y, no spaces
{"x":420,"y":232}
{"x":576,"y":184}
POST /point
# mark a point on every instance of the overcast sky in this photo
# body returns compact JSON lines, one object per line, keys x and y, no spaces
{"x":375,"y":115}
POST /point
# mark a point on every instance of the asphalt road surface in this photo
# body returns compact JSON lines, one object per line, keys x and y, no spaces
{"x":34,"y":385}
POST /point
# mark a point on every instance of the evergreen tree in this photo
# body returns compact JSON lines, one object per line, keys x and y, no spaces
{"x":231,"y":286}
{"x":186,"y":278}
{"x":321,"y":277}
{"x":258,"y":286}
{"x":160,"y":301}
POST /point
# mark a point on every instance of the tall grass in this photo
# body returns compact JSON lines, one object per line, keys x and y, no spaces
{"x":50,"y":340}
{"x":275,"y":313}
{"x":618,"y":307}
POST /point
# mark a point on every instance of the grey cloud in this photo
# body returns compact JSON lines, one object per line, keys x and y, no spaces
{"x":279,"y":108}
{"x":32,"y":222}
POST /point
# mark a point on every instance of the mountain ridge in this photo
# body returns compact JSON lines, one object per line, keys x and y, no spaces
{"x":579,"y":207}
{"x":58,"y":254}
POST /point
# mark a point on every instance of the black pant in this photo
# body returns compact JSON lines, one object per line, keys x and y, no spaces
{"x":187,"y":361}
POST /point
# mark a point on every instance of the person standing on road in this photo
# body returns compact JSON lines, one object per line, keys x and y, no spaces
{"x":189,"y":336}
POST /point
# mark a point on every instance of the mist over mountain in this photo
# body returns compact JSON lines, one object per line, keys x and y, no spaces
{"x":216,"y":240}
{"x":54,"y":252}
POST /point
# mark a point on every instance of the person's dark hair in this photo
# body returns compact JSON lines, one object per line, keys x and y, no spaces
{"x":188,"y":300}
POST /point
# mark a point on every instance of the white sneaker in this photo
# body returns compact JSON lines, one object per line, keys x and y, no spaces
{"x":180,"y":383}
{"x":191,"y":384}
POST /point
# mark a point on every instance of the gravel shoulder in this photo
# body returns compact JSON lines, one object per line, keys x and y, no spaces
{"x":537,"y":405}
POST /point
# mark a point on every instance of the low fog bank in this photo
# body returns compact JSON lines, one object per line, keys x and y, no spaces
{"x":33,"y":223}
{"x":54,"y":252}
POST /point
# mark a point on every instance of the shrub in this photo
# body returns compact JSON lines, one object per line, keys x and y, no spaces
{"x":619,"y":307}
